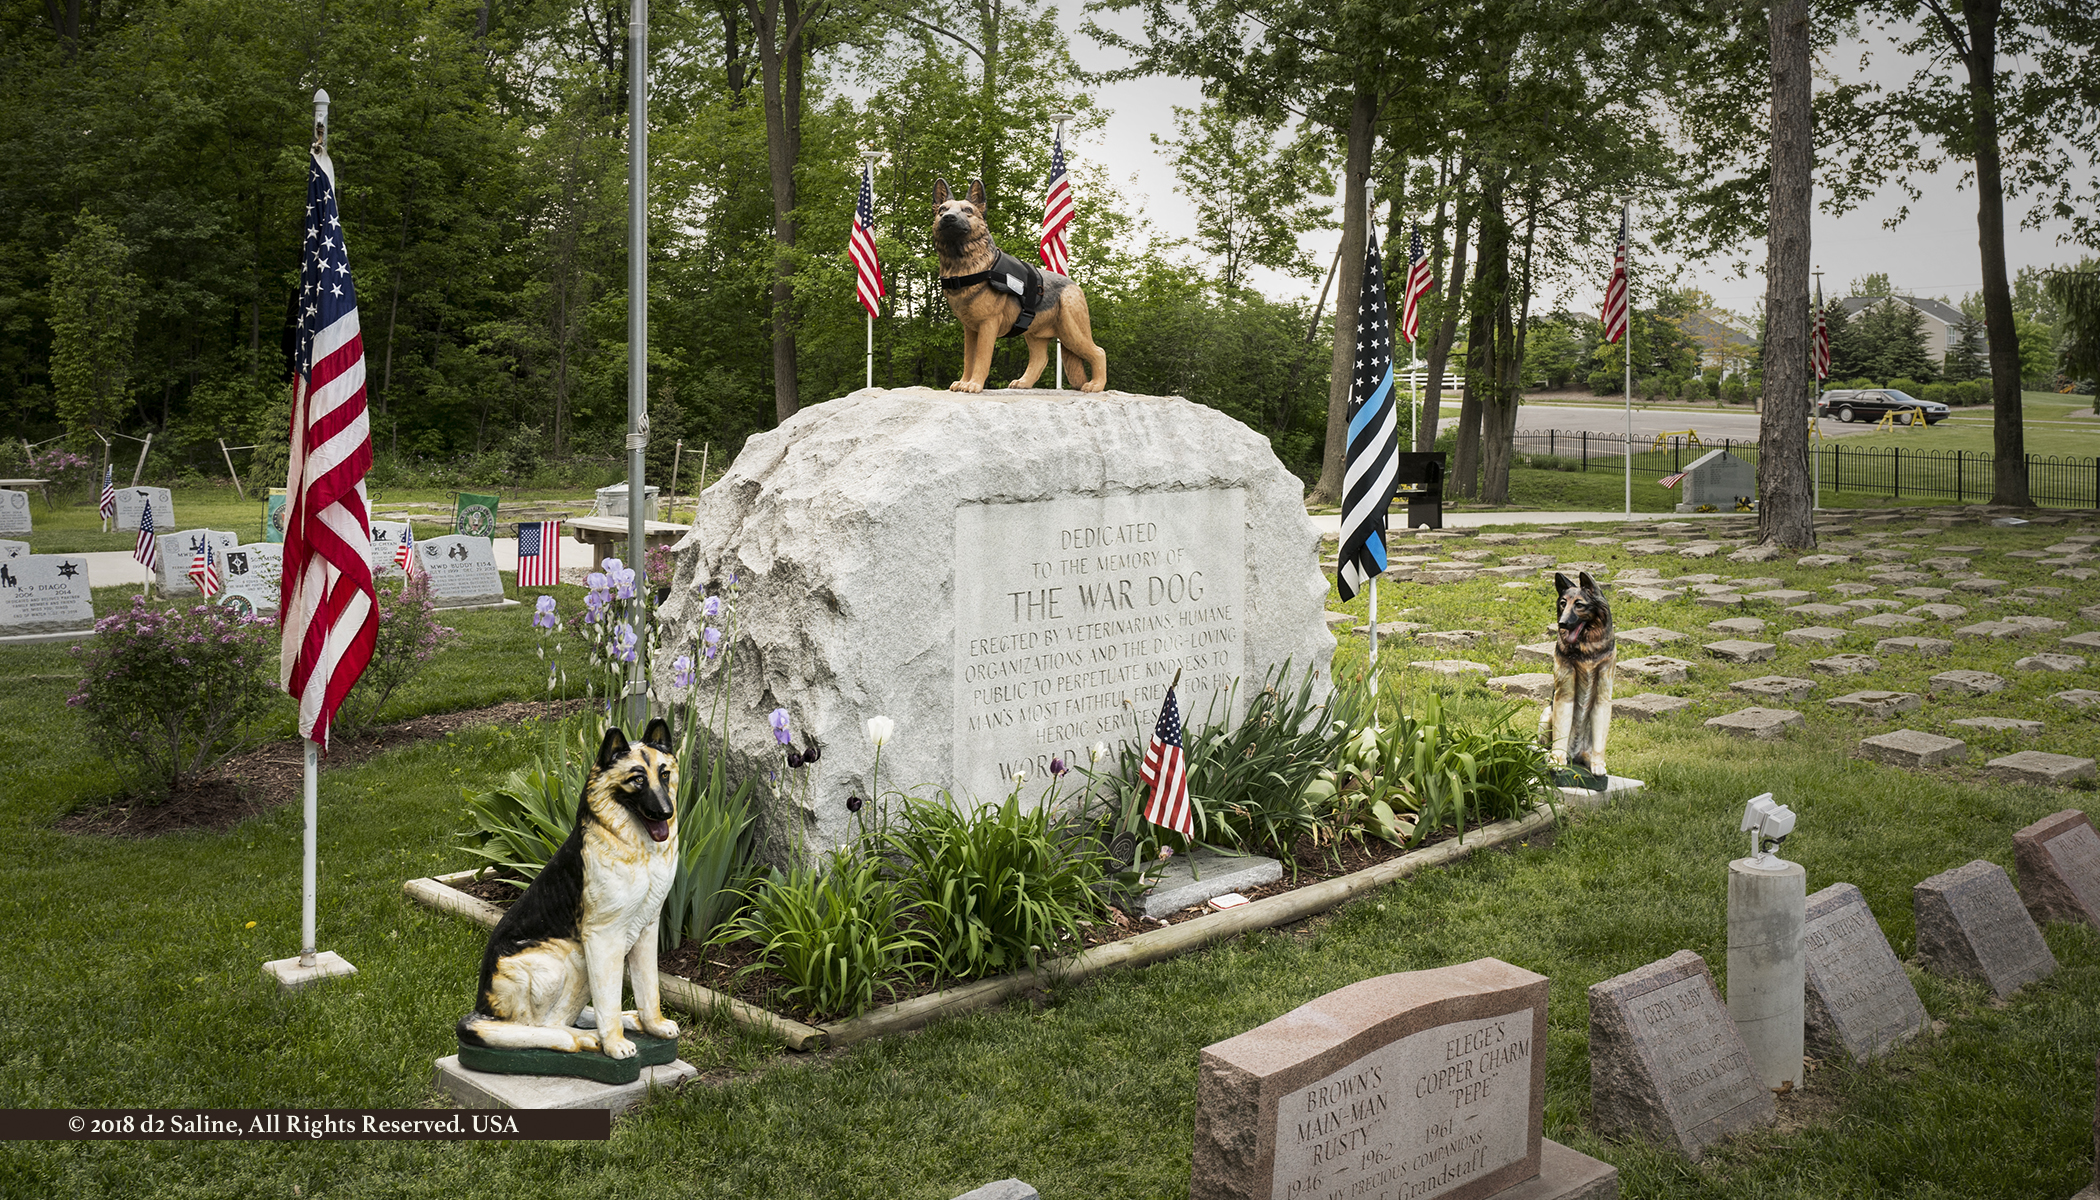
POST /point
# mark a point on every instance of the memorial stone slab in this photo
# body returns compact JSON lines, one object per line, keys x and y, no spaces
{"x":1924,"y":647}
{"x":1860,"y":1002}
{"x":1653,"y":595}
{"x":254,"y":574}
{"x":1891,"y":575}
{"x":1886,"y":621}
{"x":1818,"y":611}
{"x":462,"y":570}
{"x":1721,"y":600}
{"x":1649,"y":635}
{"x":1969,"y":683}
{"x":2090,"y":612}
{"x":2081,"y":574}
{"x":1911,"y":748}
{"x":387,"y":536}
{"x":1871,"y":604}
{"x":1453,"y":668}
{"x":1885,"y":554}
{"x":1756,"y":554}
{"x":1747,"y":626}
{"x":45,"y":594}
{"x":2035,"y":623}
{"x":1666,"y":1062}
{"x":2014,"y":724}
{"x":2045,"y":593}
{"x":1854,"y":589}
{"x":1971,"y":924}
{"x":1949,"y":562}
{"x":2058,"y":858}
{"x":1701,"y":549}
{"x":1459,"y":638}
{"x":2051,"y":662}
{"x":1775,"y":687}
{"x":1426,"y":1084}
{"x":2078,"y":698}
{"x":1764,"y":724}
{"x":1823,"y":560}
{"x":2026,"y":554}
{"x":14,"y":512}
{"x":178,"y":550}
{"x":1780,"y":596}
{"x":1940,"y":612}
{"x":1647,"y":706}
{"x":1846,"y":664}
{"x":1197,"y":878}
{"x":13,"y":549}
{"x":132,"y":501}
{"x":1924,"y":593}
{"x":1656,"y":668}
{"x":1534,"y":652}
{"x":1813,"y":635}
{"x":1537,"y":685}
{"x":1980,"y":585}
{"x":1717,"y":589}
{"x":1876,"y":703}
{"x":1736,"y":650}
{"x":2090,"y":641}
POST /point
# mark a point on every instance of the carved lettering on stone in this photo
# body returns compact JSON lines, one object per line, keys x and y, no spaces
{"x":1666,"y":1061}
{"x":1860,"y":1002}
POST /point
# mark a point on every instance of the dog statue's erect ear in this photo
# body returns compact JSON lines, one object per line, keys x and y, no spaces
{"x":1588,"y":585}
{"x":977,"y":195}
{"x":1562,"y":585}
{"x":614,"y":745}
{"x":658,"y":735}
{"x":941,"y":194}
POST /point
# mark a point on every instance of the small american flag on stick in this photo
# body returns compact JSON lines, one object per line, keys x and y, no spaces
{"x":1056,"y":244}
{"x":108,"y":507}
{"x":539,"y":554}
{"x":1166,"y":769}
{"x":148,"y":550}
{"x":204,"y":569}
{"x":1670,"y":481}
{"x":861,"y":245}
{"x":1614,"y":316}
{"x":1419,"y":284}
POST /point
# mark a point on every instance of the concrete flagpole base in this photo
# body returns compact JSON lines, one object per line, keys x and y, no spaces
{"x":1767,"y":964}
{"x":291,"y":974}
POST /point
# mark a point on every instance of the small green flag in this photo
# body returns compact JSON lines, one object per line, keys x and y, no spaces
{"x":273,"y":515}
{"x":477,"y":515}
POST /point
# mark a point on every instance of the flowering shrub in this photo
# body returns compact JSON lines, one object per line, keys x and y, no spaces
{"x":67,"y":471}
{"x":176,"y":690}
{"x":408,"y":635}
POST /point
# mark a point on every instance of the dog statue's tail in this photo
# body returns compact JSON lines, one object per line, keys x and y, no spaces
{"x":480,"y":1029}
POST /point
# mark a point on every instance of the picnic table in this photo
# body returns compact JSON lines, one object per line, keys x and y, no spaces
{"x":608,"y":535}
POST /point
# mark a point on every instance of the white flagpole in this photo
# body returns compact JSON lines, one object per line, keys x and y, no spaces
{"x":1057,"y":354}
{"x":1627,"y":225}
{"x":868,"y":158}
{"x":1815,"y":473}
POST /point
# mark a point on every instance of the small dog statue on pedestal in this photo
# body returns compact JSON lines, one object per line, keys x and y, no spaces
{"x":996,"y":295}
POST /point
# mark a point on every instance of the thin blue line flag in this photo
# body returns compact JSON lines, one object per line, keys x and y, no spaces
{"x":1374,"y":436}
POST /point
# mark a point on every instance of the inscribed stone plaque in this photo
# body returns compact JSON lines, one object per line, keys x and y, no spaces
{"x":387,"y":537}
{"x":462,"y":570}
{"x":1859,"y":1000}
{"x":178,"y":550}
{"x":13,"y":549}
{"x":2059,"y":862}
{"x":1666,"y":1062}
{"x":14,"y":512}
{"x":132,"y":501}
{"x":45,"y":593}
{"x":1971,"y":923}
{"x":1066,"y":609}
{"x":254,"y":574}
{"x":1420,"y":1084}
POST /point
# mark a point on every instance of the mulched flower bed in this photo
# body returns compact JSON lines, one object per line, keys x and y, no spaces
{"x":720,"y":968}
{"x":273,"y":773}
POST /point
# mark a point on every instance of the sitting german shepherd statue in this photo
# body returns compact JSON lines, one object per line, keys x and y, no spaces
{"x":996,"y":295}
{"x":592,"y":909}
{"x":1585,"y":657}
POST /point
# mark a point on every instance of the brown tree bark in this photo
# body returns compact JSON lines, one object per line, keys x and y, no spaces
{"x":1490,"y":308}
{"x":1499,"y":423}
{"x":1450,"y":299}
{"x":779,"y":30}
{"x":1348,"y":292}
{"x":1785,"y":491}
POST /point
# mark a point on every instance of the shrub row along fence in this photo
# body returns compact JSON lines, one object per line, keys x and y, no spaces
{"x":1962,"y":476}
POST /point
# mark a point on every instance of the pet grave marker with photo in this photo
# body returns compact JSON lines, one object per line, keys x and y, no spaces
{"x":1971,"y":924}
{"x":1666,"y":1061}
{"x":14,"y":512}
{"x":44,"y":598}
{"x":1860,"y":1001}
{"x":177,"y":550}
{"x":462,"y":570}
{"x":254,"y":573}
{"x":2058,"y":858}
{"x":132,"y":501}
{"x":1427,"y":1084}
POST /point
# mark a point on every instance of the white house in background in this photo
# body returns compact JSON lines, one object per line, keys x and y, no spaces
{"x":1725,"y":340}
{"x":1940,"y":319}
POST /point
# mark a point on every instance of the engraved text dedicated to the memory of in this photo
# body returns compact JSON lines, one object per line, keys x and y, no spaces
{"x":1067,"y":609}
{"x":1685,"y":1035}
{"x":1413,"y":1119}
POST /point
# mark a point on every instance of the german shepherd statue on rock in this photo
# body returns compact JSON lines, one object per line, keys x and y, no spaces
{"x":996,"y":295}
{"x":1585,"y":658}
{"x":592,"y":910}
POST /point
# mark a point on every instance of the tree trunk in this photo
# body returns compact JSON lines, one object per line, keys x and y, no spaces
{"x":989,"y":13}
{"x":1785,"y":490}
{"x":1451,"y":293}
{"x":1499,"y":424}
{"x":1490,"y":312}
{"x":777,"y":29}
{"x":1348,"y":293}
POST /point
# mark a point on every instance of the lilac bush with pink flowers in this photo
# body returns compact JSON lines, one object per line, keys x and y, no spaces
{"x":177,"y":690}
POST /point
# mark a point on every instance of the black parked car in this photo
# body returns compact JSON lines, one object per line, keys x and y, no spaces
{"x":1870,"y":404}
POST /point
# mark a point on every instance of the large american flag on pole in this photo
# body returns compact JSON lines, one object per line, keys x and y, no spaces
{"x":539,"y":554}
{"x":1056,"y":244}
{"x":329,"y":608}
{"x":1822,"y":342}
{"x":1419,"y":284}
{"x":1614,"y":315}
{"x":861,"y":245}
{"x":1166,"y":769}
{"x":1374,"y":436}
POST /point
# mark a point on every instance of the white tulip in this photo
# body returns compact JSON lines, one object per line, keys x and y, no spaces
{"x":880,"y":729}
{"x":1099,"y":752}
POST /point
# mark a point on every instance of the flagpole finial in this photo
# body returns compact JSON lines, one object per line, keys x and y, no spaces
{"x":1062,"y":120}
{"x":320,"y":119}
{"x":1177,"y":680}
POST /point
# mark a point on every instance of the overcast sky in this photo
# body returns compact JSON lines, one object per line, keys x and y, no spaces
{"x":1932,"y":253}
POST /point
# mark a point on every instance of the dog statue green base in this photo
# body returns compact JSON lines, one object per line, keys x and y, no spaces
{"x":653,"y":1052}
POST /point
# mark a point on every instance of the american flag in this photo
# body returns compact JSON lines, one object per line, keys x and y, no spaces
{"x":1056,"y":244}
{"x":329,"y":608}
{"x":1670,"y":481}
{"x":1822,"y":342}
{"x":539,"y":554}
{"x":1419,"y":284}
{"x":861,"y":244}
{"x":108,"y":507}
{"x":1374,"y":436}
{"x":148,"y":550}
{"x":1614,"y":316}
{"x":405,"y":554}
{"x":1166,"y":769}
{"x":204,"y":569}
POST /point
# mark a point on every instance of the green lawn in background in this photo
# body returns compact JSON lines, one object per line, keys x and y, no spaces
{"x":129,"y":975}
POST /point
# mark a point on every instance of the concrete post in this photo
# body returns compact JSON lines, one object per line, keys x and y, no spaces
{"x":1767,"y":906}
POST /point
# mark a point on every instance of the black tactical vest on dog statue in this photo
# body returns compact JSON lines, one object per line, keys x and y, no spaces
{"x":1008,"y":276}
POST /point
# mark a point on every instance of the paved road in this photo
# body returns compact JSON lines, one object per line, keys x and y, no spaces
{"x":1713,"y":424}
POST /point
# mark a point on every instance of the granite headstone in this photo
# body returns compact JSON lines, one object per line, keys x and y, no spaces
{"x":1860,"y":1002}
{"x":2058,"y":858}
{"x":1666,"y":1062}
{"x":178,"y":550}
{"x":1971,"y":923}
{"x":462,"y":570}
{"x":14,"y":511}
{"x":387,"y":537}
{"x":44,"y":594}
{"x":13,"y":549}
{"x":132,"y":501}
{"x":254,"y":576}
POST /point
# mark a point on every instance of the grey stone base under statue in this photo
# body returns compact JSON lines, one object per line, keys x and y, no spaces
{"x":1616,"y":787}
{"x":478,"y":1089}
{"x":1184,"y":883}
{"x":1565,"y":1174}
{"x":1005,"y":1189}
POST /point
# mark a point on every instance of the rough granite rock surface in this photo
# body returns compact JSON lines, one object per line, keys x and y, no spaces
{"x":1658,"y":1025}
{"x":1972,"y":925}
{"x":2058,"y":858}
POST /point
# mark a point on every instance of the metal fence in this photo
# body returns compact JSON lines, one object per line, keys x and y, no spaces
{"x":1960,"y":476}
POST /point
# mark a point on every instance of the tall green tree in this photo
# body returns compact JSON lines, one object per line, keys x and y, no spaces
{"x":94,"y":313}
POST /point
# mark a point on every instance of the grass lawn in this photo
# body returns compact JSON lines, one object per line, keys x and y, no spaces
{"x":2053,"y":426}
{"x":129,"y":971}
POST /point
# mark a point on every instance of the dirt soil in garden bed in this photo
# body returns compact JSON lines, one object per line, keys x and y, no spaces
{"x":258,"y":780}
{"x":720,"y":968}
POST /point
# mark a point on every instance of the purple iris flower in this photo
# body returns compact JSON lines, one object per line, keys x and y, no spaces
{"x":711,"y":639}
{"x":682,"y":671}
{"x":779,"y":721}
{"x":594,"y":606}
{"x":596,"y":580}
{"x":711,"y":609}
{"x":543,"y":613}
{"x":623,"y":581}
{"x":623,"y":641}
{"x":1057,"y":766}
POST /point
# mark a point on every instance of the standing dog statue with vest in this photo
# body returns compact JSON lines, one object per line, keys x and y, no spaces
{"x":996,"y":295}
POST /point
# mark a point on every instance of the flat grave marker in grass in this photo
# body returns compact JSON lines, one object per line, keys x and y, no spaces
{"x":2058,"y":858}
{"x":1765,"y":724}
{"x":1972,"y":925}
{"x":1969,"y":683}
{"x":1912,"y":748}
{"x":2036,"y":766}
{"x":1860,"y":1003}
{"x":1876,"y":703}
{"x":1666,"y":1061}
{"x":45,"y":596}
{"x":1647,"y":706}
{"x":2051,"y":662}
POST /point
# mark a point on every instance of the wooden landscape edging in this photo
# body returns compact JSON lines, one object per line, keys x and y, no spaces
{"x":1140,"y":950}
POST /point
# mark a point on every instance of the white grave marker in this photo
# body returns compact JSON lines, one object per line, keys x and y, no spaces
{"x":45,"y":594}
{"x":254,"y":572}
{"x":14,"y":512}
{"x":387,"y":536}
{"x":462,"y":570}
{"x":177,"y":550}
{"x":132,"y":501}
{"x":13,"y":549}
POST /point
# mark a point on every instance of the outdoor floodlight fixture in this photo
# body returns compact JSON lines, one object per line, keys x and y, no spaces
{"x":1768,"y":823}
